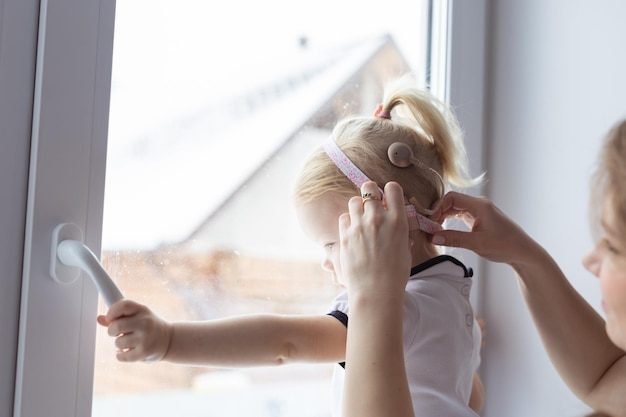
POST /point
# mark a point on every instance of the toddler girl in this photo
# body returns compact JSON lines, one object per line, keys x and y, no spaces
{"x":413,"y":140}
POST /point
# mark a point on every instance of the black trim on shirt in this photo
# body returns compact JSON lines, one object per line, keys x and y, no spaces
{"x":469,"y":272}
{"x":343,"y":318}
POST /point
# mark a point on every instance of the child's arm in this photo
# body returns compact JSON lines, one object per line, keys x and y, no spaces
{"x":239,"y":341}
{"x":258,"y":340}
{"x":477,"y":398}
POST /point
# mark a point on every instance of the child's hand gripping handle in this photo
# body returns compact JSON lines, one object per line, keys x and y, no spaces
{"x":75,"y":253}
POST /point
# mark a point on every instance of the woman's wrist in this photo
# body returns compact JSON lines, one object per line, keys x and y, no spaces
{"x":534,"y":266}
{"x":364,"y":301}
{"x":528,"y":255}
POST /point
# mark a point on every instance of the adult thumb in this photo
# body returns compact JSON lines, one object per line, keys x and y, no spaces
{"x":454,"y":238}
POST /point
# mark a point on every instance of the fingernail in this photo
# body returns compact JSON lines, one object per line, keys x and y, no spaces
{"x":438,"y":240}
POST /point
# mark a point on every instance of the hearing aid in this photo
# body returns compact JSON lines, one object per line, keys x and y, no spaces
{"x":401,"y":155}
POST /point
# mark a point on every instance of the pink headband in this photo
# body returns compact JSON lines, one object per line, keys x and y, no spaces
{"x":358,"y":178}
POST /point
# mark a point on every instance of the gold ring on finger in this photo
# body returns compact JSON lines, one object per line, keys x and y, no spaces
{"x":369,"y":196}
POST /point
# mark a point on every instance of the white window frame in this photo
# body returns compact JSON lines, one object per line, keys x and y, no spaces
{"x":18,"y":41}
{"x":458,"y":77}
{"x":66,"y":184}
{"x":55,"y":355}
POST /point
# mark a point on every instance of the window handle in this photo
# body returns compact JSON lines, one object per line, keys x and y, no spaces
{"x":70,"y":255}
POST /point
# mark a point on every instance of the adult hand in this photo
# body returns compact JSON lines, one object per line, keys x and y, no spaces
{"x":374,"y":242}
{"x":492,"y":234}
{"x":139,"y":334}
{"x":375,"y":263}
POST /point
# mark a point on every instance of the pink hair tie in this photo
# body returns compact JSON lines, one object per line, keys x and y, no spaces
{"x":382,"y":114}
{"x":358,"y":178}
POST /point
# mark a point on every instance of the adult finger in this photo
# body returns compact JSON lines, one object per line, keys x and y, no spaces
{"x":375,"y":199}
{"x":394,"y":197}
{"x":454,"y":203}
{"x":123,"y":308}
{"x":440,"y":217}
{"x":344,"y":224}
{"x":456,"y":239}
{"x":355,"y":209}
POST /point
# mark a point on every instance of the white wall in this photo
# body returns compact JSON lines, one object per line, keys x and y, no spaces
{"x":556,"y":84}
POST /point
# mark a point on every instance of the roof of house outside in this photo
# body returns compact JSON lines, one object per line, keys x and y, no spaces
{"x":173,"y":162}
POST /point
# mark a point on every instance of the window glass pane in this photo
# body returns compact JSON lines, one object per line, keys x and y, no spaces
{"x":213,"y":110}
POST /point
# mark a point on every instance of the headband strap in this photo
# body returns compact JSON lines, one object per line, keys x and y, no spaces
{"x":344,"y":164}
{"x":358,"y":178}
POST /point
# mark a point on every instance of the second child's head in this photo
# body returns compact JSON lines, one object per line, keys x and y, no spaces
{"x":406,"y":115}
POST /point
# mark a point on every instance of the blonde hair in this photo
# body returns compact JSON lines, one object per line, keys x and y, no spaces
{"x":609,"y":182}
{"x":419,"y":120}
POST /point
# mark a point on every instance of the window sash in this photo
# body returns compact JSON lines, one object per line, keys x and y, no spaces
{"x":66,"y":184}
{"x":18,"y":41}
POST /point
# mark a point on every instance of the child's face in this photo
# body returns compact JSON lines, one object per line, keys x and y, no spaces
{"x":319,"y":220}
{"x":607,"y":261}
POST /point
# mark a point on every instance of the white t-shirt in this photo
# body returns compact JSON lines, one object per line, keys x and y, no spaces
{"x":441,"y":339}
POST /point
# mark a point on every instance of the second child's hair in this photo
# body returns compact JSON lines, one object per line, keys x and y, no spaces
{"x":419,"y":120}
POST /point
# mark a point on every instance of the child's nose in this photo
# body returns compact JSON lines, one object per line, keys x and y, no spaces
{"x":327,"y":265}
{"x":592,"y":262}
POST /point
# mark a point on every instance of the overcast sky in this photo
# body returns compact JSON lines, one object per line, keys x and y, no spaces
{"x":185,"y":50}
{"x":241,"y":31}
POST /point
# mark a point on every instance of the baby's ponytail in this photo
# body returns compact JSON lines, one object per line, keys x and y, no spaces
{"x":407,"y":115}
{"x":435,"y":122}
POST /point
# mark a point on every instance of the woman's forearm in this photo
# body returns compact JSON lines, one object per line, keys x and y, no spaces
{"x":376,"y":383}
{"x":573,"y":333}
